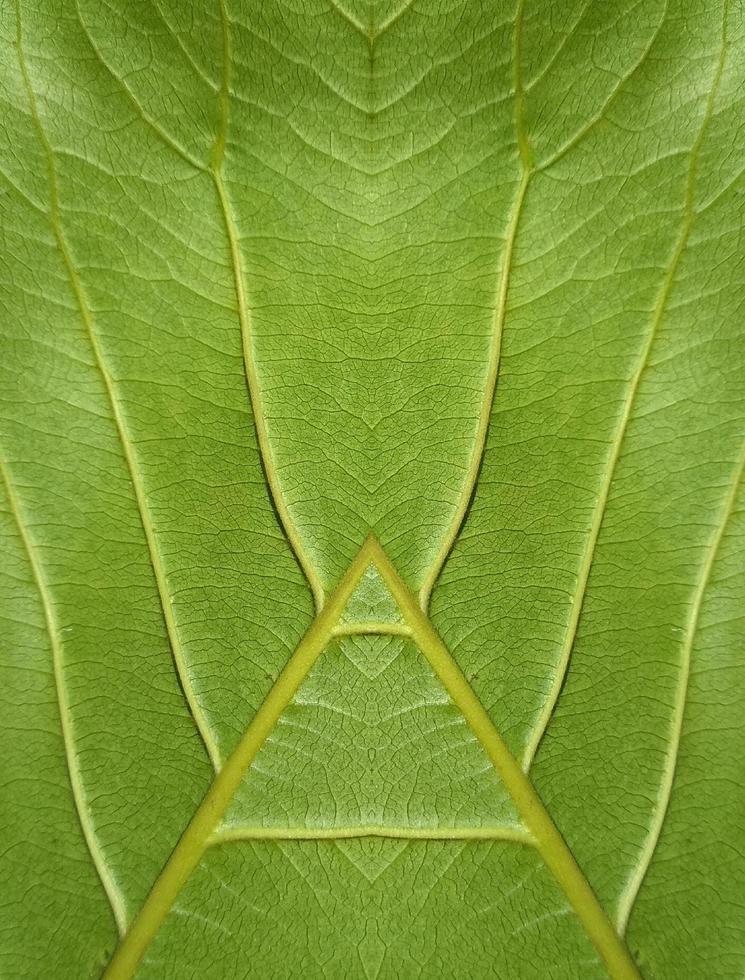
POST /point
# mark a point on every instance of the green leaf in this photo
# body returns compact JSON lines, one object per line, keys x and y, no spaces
{"x":371,"y":438}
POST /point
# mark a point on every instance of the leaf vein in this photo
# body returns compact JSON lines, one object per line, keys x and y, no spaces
{"x":82,"y":808}
{"x":500,"y":314}
{"x":646,"y":855}
{"x":505,"y":833}
{"x":118,"y":416}
{"x":165,"y":137}
{"x":615,"y":453}
{"x":269,"y":466}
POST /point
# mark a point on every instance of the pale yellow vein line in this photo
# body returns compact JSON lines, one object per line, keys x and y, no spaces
{"x":189,"y":850}
{"x":139,"y":109}
{"x":114,"y":895}
{"x":515,"y":835}
{"x":393,"y":19}
{"x":566,"y":36}
{"x":372,"y":629}
{"x":500,"y":312}
{"x":616,"y":447}
{"x":81,"y":300}
{"x":350,"y":19}
{"x":202,"y":829}
{"x":244,"y":318}
{"x":207,"y":79}
{"x":482,"y":428}
{"x":634,"y":883}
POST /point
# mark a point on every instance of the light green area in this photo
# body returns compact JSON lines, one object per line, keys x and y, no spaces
{"x":372,"y":748}
{"x":464,"y":275}
{"x":371,"y":602}
{"x":424,"y":899}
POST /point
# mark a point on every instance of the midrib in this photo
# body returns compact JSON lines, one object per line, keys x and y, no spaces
{"x":197,"y":837}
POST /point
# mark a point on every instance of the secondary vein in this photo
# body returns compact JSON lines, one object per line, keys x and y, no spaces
{"x":583,"y":131}
{"x":118,"y":416}
{"x":615,"y":452}
{"x":244,"y":317}
{"x":203,"y":828}
{"x":139,"y":109}
{"x":82,"y":808}
{"x":634,"y":883}
{"x":500,"y":312}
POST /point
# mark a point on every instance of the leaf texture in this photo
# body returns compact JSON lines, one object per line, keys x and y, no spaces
{"x":372,"y":437}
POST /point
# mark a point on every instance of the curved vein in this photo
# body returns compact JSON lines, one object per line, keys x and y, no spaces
{"x":614,"y":454}
{"x":110,"y":887}
{"x":350,"y":19}
{"x":386,"y":25}
{"x":583,"y":131}
{"x":628,"y":896}
{"x":247,"y":339}
{"x":118,"y":416}
{"x":566,"y":36}
{"x":204,"y":825}
{"x":139,"y":109}
{"x":500,"y":312}
{"x":210,"y":82}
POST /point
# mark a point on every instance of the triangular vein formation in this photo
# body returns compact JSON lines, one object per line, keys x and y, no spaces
{"x":407,"y":623}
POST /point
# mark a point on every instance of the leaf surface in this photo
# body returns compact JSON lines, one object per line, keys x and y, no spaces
{"x":371,"y":438}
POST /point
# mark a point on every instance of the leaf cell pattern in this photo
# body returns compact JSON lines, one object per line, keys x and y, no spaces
{"x":371,"y":444}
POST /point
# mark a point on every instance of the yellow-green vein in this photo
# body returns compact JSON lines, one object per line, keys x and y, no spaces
{"x":110,"y":887}
{"x":500,"y":313}
{"x":141,"y":112}
{"x":614,"y":454}
{"x":391,"y":20}
{"x":247,"y":339}
{"x":549,"y":842}
{"x":118,"y":415}
{"x":204,"y":826}
{"x":582,"y":132}
{"x":634,"y":883}
{"x":515,"y":835}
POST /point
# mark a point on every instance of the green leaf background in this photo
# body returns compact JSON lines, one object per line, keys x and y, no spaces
{"x":463,"y":275}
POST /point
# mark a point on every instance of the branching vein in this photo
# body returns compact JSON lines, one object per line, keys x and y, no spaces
{"x":630,"y":892}
{"x":540,"y":829}
{"x":196,"y":838}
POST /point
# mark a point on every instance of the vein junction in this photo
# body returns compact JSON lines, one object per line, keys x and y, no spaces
{"x":204,"y":829}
